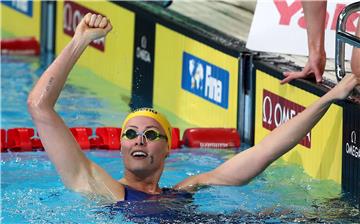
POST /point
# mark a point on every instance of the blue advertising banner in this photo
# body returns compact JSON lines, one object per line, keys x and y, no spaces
{"x":205,"y":80}
{"x":23,"y":6}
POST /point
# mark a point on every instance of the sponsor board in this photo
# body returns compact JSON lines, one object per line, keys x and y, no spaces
{"x":205,"y":80}
{"x":143,"y":73}
{"x":351,"y":150}
{"x":21,"y":18}
{"x":73,"y":14}
{"x":113,"y":63}
{"x":172,"y":90}
{"x":23,"y":6}
{"x":182,"y":67}
{"x":274,"y":20}
{"x":278,"y":110}
{"x":319,"y":152}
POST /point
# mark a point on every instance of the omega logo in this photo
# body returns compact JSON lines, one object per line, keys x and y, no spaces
{"x":351,"y":148}
{"x":277,"y":110}
{"x":141,"y":52}
{"x":353,"y":137}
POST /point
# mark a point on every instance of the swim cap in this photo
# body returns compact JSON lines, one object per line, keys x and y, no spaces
{"x":149,"y":112}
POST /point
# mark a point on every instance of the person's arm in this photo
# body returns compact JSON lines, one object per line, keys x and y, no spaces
{"x":248,"y":164}
{"x":315,"y":16}
{"x":77,"y":172}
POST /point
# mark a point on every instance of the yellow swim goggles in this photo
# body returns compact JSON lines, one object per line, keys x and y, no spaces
{"x":149,"y":135}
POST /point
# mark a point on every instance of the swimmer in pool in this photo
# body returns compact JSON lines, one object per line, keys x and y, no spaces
{"x":146,"y":136}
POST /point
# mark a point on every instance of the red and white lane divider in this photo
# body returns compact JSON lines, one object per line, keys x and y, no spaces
{"x":108,"y":138}
{"x":20,"y":46}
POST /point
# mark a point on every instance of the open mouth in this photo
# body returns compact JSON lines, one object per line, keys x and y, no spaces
{"x":139,"y":154}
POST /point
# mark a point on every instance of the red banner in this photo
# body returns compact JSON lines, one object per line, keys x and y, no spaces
{"x":73,"y":13}
{"x":277,"y":110}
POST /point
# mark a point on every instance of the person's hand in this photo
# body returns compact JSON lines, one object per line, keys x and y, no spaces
{"x":93,"y":27}
{"x":344,"y":87}
{"x":314,"y":67}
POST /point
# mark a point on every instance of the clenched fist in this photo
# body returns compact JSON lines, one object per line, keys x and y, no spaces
{"x":93,"y":27}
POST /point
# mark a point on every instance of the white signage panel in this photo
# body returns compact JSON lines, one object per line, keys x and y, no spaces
{"x":280,"y":27}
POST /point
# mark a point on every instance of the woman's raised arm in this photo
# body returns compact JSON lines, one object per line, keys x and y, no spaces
{"x":248,"y":164}
{"x":71,"y":163}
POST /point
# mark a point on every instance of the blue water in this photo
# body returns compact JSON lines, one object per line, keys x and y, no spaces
{"x":78,"y":106}
{"x":32,"y":192}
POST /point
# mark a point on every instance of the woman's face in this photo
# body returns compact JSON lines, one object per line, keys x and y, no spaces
{"x":141,"y":154}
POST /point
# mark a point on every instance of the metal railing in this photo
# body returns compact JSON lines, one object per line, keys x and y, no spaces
{"x":343,"y":37}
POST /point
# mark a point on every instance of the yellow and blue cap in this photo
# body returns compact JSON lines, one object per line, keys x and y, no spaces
{"x":149,"y":112}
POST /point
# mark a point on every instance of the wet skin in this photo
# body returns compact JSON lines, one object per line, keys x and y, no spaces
{"x":144,"y":159}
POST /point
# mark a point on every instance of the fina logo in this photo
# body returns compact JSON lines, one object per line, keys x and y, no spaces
{"x":205,"y":80}
{"x":197,"y":75}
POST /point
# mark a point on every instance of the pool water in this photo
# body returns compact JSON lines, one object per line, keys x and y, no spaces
{"x":32,"y":192}
{"x":79,"y":104}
